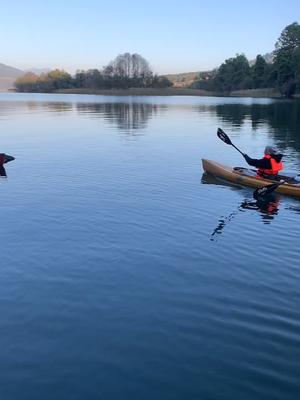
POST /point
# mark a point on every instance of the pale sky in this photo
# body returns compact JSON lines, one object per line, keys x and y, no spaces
{"x":174,"y":36}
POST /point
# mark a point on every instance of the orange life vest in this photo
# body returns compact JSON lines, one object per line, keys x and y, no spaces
{"x":276,"y":167}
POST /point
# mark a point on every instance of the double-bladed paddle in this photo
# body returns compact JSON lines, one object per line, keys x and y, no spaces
{"x":222,"y":135}
{"x":265,"y":191}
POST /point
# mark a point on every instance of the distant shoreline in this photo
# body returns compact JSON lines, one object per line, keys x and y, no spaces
{"x":254,"y":93}
{"x":140,"y":92}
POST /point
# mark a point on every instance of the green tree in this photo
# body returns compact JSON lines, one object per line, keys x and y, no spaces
{"x":79,"y":80}
{"x":259,"y":70}
{"x":47,"y":82}
{"x":129,"y":70}
{"x":234,"y":74}
{"x":161,"y":82}
{"x":286,"y":59}
{"x":27,"y":82}
{"x":59,"y":79}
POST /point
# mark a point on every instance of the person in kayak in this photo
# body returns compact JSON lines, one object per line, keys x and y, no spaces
{"x":268,"y":166}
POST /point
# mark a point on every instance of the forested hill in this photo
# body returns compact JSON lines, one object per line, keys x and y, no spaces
{"x":186,"y":79}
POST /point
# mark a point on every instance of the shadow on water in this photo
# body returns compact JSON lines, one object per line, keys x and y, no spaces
{"x":267,"y":208}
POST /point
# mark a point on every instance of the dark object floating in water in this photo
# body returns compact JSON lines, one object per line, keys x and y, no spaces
{"x":4,"y":158}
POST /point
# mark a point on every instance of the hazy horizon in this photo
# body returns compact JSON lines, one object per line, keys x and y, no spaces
{"x":47,"y":69}
{"x":173,"y":38}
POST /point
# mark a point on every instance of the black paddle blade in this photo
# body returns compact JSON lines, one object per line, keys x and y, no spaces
{"x":222,"y":135}
{"x":8,"y":158}
{"x":265,"y":190}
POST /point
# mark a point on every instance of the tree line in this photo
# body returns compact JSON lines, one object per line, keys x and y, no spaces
{"x":125,"y":71}
{"x":282,"y":73}
{"x":132,"y":70}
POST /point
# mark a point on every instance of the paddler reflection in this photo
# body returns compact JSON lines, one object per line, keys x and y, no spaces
{"x":267,"y":207}
{"x":4,"y":158}
{"x":267,"y":210}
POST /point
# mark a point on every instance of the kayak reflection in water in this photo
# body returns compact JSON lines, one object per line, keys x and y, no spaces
{"x":4,"y":158}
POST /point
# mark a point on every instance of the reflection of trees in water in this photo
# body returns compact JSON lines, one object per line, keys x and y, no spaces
{"x":127,"y":117}
{"x":235,"y":114}
{"x":282,"y":117}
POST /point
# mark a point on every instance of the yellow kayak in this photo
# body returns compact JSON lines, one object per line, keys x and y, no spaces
{"x":243,"y":176}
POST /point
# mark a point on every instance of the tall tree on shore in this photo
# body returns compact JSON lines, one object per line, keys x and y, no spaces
{"x":287,"y":59}
{"x":130,"y":70}
{"x":259,"y":72}
{"x":234,"y":74}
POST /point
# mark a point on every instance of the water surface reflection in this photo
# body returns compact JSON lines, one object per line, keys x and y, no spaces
{"x":128,"y":117}
{"x":107,"y":272}
{"x":267,"y":208}
{"x":281,"y":117}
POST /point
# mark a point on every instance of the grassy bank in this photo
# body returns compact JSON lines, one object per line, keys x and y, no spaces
{"x":273,"y":93}
{"x":141,"y":92}
{"x":259,"y":93}
{"x":255,"y":93}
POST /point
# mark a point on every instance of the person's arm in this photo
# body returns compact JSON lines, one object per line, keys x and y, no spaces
{"x":263,"y":163}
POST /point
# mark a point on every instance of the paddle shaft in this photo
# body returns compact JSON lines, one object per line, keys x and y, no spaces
{"x":237,"y":149}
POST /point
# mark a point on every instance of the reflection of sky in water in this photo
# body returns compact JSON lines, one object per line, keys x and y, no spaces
{"x":108,"y":270}
{"x":267,"y":121}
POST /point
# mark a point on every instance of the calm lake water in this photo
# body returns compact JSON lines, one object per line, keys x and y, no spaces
{"x":126,"y":273}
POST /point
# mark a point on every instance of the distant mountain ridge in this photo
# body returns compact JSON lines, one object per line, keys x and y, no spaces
{"x":8,"y":75}
{"x":38,"y":71}
{"x":9,"y":72}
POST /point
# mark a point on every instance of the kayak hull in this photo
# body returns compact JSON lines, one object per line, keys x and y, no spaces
{"x":230,"y":174}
